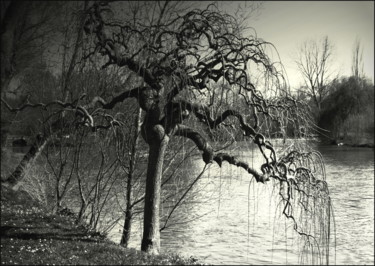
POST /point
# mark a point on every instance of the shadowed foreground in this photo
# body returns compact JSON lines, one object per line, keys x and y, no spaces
{"x":30,"y":236}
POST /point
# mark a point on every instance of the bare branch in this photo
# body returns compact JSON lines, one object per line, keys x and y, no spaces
{"x":208,"y":153}
{"x":133,"y":93}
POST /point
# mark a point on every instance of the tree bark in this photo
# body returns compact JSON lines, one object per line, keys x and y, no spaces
{"x":151,"y":224}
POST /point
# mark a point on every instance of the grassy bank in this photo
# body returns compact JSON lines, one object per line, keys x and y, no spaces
{"x":29,"y":235}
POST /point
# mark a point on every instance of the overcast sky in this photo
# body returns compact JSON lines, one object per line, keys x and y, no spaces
{"x":287,"y":24}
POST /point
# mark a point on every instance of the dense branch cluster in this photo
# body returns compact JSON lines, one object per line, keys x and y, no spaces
{"x":306,"y":198}
{"x":190,"y":52}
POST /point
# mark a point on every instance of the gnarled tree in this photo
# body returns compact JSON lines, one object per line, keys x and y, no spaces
{"x":200,"y":74}
{"x":180,"y":58}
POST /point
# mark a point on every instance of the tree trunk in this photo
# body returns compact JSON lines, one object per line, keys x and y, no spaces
{"x":129,"y":208}
{"x":58,"y":202}
{"x":129,"y":189}
{"x":41,"y":140}
{"x":82,"y":210}
{"x":33,"y":153}
{"x":127,"y":227}
{"x":83,"y":200}
{"x":151,"y":225}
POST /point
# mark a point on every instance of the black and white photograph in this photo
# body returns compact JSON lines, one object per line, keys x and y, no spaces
{"x":187,"y":132}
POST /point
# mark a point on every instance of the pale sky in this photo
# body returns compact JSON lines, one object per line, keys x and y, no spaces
{"x":287,"y":24}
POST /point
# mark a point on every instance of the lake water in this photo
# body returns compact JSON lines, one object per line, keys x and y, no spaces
{"x":240,"y":221}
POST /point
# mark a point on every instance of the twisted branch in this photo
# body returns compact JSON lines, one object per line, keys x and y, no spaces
{"x":209,"y":155}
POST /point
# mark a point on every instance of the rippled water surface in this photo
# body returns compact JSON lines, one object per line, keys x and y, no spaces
{"x":241,"y":222}
{"x":350,"y":173}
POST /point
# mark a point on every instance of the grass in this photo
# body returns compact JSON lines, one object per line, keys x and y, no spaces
{"x":31,"y":236}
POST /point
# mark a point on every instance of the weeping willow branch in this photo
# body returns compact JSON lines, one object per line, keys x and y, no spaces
{"x":209,"y":155}
{"x":306,"y":191}
{"x":133,"y":93}
{"x":203,"y":113}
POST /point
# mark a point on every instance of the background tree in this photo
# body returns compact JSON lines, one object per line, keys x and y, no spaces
{"x":313,"y":61}
{"x":71,"y":38}
{"x":357,"y":59}
{"x":25,"y":32}
{"x":348,"y":111}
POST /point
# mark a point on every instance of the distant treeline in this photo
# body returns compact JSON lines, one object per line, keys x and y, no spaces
{"x":348,"y":110}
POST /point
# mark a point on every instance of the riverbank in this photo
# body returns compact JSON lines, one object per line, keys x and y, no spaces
{"x":30,"y":236}
{"x":363,"y":142}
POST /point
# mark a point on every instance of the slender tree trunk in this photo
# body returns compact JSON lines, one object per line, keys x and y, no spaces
{"x":83,"y":200}
{"x":36,"y":149}
{"x":33,"y":153}
{"x":82,"y":210}
{"x":151,"y":223}
{"x":58,"y":203}
{"x":129,"y":189}
{"x":127,"y":227}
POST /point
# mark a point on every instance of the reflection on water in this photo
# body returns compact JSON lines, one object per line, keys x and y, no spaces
{"x":241,"y":222}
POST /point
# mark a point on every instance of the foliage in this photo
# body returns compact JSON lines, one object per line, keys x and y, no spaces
{"x":350,"y":102}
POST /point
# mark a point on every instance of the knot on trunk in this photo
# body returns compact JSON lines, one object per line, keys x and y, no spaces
{"x":148,"y":99}
{"x":154,"y":134}
{"x":208,"y":155}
